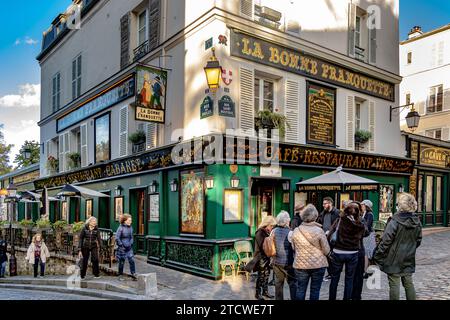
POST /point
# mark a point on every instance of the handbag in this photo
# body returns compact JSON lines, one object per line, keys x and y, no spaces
{"x":269,"y":246}
{"x":334,"y":236}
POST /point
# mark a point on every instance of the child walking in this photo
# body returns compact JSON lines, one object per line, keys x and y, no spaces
{"x":37,"y":255}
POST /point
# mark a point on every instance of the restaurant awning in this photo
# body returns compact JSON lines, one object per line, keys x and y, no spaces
{"x":76,"y":191}
{"x":28,"y":195}
{"x":338,"y":181}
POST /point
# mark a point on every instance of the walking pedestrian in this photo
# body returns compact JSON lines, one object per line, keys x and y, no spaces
{"x":89,"y":246}
{"x":370,"y":240}
{"x":3,"y":257}
{"x":37,"y":255}
{"x":396,"y":253}
{"x":345,"y":235}
{"x":327,"y":218}
{"x":296,"y":220}
{"x":311,"y":251}
{"x":282,"y":262}
{"x":124,"y":240}
{"x":260,"y":261}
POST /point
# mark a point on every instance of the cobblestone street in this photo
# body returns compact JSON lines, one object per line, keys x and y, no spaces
{"x":10,"y":294}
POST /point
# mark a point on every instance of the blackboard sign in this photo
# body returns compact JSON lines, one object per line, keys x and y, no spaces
{"x":227,"y":107}
{"x":321,"y":115}
{"x":207,"y":108}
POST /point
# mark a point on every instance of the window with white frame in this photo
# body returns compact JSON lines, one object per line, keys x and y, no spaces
{"x":76,"y":77}
{"x":358,"y":116}
{"x":264,"y":94}
{"x":358,"y":32}
{"x":435,"y":133}
{"x":56,"y":92}
{"x":142,"y":27}
{"x":409,"y":57}
{"x":435,"y":100}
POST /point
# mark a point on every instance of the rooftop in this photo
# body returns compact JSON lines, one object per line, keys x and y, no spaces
{"x":426,"y":34}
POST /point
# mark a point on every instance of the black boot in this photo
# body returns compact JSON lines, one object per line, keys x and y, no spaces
{"x":267,"y":295}
{"x":258,"y":295}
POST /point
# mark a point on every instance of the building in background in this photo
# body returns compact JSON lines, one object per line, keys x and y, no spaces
{"x":425,"y":68}
{"x":119,"y":93}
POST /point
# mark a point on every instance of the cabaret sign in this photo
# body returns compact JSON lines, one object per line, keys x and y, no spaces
{"x":265,"y":52}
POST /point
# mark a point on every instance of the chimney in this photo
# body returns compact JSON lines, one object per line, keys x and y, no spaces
{"x":415,"y":32}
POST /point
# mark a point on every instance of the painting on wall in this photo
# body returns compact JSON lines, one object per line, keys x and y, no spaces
{"x":154,"y":207}
{"x":89,"y":203}
{"x":118,"y":207}
{"x":192,"y":203}
{"x":386,"y":202}
{"x":232,"y":206}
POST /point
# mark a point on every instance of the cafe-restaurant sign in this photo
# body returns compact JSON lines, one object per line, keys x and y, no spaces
{"x":434,"y":156}
{"x":274,"y":55}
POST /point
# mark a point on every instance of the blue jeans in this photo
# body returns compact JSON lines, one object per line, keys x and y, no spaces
{"x":337,"y":264}
{"x":130,"y":261}
{"x":2,"y":269}
{"x":303,"y":276}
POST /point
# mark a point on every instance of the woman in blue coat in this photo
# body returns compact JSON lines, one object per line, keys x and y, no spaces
{"x":124,"y":240}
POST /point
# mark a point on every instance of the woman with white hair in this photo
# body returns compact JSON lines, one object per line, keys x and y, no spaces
{"x":261,"y":262}
{"x":284,"y":258}
{"x":396,"y":253}
{"x":89,"y":246}
{"x":311,"y":251}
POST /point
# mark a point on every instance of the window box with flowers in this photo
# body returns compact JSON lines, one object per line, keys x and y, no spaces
{"x":138,"y":140}
{"x":52,"y":165}
{"x":271,"y":120}
{"x":75,"y":160}
{"x":361,"y":138}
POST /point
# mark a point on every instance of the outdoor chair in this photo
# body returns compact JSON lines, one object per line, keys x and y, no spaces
{"x":244,"y":251}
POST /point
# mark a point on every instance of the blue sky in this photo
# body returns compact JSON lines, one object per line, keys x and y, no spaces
{"x":22,"y":24}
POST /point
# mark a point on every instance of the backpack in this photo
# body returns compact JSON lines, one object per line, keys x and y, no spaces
{"x":269,"y":245}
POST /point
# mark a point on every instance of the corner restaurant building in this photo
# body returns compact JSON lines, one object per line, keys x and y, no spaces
{"x":181,"y":219}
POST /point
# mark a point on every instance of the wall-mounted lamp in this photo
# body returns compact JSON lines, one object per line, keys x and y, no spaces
{"x":12,"y":190}
{"x":235,"y":181}
{"x":412,"y":119}
{"x":153,"y":186}
{"x":213,"y":71}
{"x":174,"y":185}
{"x":286,"y":186}
{"x":209,"y":181}
{"x":118,"y":191}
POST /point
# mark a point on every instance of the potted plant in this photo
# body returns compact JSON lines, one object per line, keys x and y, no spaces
{"x":138,"y":140}
{"x":52,"y":164}
{"x":75,"y":159}
{"x":271,"y":120}
{"x":76,"y":229}
{"x":362,"y":136}
{"x":43,"y":224}
{"x":26,"y":227}
{"x":59,"y":227}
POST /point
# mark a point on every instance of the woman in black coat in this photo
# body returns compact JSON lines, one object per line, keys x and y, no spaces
{"x":260,"y":262}
{"x":89,"y":246}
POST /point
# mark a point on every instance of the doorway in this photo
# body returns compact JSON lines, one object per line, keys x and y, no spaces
{"x":75,"y":205}
{"x":265,"y":203}
{"x":104,"y":211}
{"x":137,"y":210}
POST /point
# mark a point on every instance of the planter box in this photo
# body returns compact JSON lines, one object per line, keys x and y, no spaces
{"x":138,"y":147}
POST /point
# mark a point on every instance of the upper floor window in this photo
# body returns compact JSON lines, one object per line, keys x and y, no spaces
{"x":435,"y":100}
{"x":408,"y":99}
{"x":409,"y":58}
{"x":264,"y":95}
{"x":56,"y":92}
{"x":435,"y":133}
{"x":358,"y":116}
{"x":76,"y":77}
{"x":142,"y":27}
{"x":358,"y":32}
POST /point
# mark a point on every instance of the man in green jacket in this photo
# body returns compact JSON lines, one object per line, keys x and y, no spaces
{"x":396,"y":253}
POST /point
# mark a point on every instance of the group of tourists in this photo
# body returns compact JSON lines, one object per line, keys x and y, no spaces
{"x":89,"y":246}
{"x":313,"y":248}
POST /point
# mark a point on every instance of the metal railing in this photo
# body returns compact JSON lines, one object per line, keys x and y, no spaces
{"x":141,"y":51}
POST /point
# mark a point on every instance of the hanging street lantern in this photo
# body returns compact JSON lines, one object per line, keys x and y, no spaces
{"x":213,"y":71}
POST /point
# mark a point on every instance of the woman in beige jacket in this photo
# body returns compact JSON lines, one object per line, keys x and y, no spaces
{"x":311,"y":251}
{"x":37,"y":254}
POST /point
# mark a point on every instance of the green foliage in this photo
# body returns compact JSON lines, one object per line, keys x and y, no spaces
{"x":35,"y":150}
{"x":75,"y":159}
{"x":137,"y":137}
{"x":5,"y":150}
{"x":3,"y":223}
{"x":77,"y":227}
{"x":27,"y":223}
{"x":271,"y":120}
{"x":43,"y":224}
{"x":60,"y":225}
{"x":363,"y":136}
{"x":52,"y":164}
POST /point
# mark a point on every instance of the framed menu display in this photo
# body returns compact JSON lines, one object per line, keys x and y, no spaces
{"x":321,"y":115}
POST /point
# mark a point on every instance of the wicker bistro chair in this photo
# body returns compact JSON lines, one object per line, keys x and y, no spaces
{"x":244,"y":250}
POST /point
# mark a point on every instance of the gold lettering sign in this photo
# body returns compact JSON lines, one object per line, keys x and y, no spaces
{"x":265,"y":52}
{"x":434,"y":156}
{"x":321,"y":115}
{"x":24,"y":178}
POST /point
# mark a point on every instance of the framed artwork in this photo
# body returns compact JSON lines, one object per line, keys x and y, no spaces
{"x":345,"y":197}
{"x":386,"y":202}
{"x":154,"y":207}
{"x":89,"y":204}
{"x":286,"y":197}
{"x":118,"y":208}
{"x":233,"y":206}
{"x":64,"y":215}
{"x":102,"y":138}
{"x":192,"y":193}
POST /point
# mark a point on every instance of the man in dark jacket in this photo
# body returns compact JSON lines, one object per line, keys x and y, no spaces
{"x":396,"y":253}
{"x":296,"y":220}
{"x":329,"y":214}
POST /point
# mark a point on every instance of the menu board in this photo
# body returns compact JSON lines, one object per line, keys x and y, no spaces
{"x":321,"y":115}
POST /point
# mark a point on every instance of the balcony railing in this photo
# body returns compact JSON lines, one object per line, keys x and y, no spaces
{"x":360,"y":53}
{"x":141,"y":51}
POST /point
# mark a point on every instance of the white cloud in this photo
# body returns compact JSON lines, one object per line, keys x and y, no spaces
{"x":20,"y":114}
{"x":29,"y":96}
{"x":31,"y":41}
{"x":17,"y":42}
